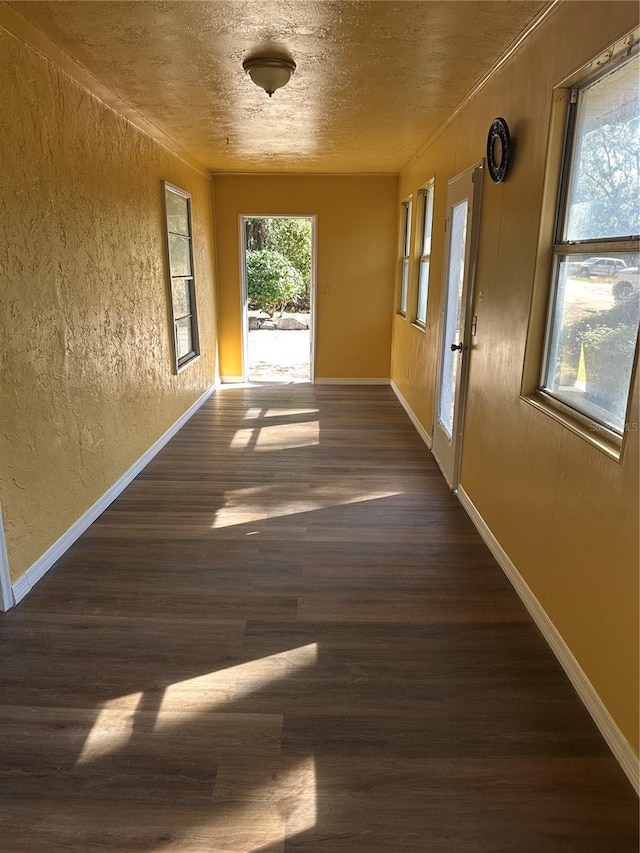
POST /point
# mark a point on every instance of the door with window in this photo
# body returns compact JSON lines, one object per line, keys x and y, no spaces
{"x":463,"y":203}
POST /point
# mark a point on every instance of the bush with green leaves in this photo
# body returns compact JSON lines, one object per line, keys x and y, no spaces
{"x":290,"y":237}
{"x":272,"y":281}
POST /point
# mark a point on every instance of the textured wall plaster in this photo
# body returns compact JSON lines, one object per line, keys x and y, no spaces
{"x":86,"y":384}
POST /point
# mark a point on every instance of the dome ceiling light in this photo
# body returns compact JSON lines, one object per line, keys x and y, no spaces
{"x":269,"y":72}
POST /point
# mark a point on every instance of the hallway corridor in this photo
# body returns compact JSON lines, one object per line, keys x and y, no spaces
{"x":286,"y":636}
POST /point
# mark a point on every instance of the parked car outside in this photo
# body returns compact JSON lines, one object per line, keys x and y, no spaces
{"x":626,"y":282}
{"x":597,"y":267}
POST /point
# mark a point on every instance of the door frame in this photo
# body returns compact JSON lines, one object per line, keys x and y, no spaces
{"x":244,"y":290}
{"x":7,"y":599}
{"x":476,"y":172}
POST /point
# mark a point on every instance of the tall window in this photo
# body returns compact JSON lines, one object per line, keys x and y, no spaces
{"x":592,"y":328}
{"x":426,"y":194}
{"x":181,"y":274}
{"x":404,"y":261}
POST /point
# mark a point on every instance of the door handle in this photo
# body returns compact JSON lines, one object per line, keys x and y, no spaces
{"x":455,"y":347}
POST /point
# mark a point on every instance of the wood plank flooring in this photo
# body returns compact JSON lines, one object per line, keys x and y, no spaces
{"x":287,"y":637}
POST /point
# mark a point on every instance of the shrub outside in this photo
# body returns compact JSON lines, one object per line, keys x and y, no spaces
{"x":272,"y":281}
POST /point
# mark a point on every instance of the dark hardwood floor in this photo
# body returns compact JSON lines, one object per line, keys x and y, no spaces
{"x":286,"y":636}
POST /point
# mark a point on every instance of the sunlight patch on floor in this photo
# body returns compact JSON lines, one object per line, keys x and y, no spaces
{"x":202,"y":694}
{"x":254,"y":414}
{"x":301,"y":806}
{"x":261,"y":438}
{"x":184,"y":701}
{"x":112,"y":729}
{"x":246,"y":506}
{"x":255,"y":807}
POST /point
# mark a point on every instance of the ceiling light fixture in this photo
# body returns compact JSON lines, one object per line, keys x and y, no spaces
{"x":269,"y":72}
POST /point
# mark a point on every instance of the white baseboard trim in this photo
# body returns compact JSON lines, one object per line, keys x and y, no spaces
{"x":35,"y":572}
{"x":232,"y":380}
{"x":338,"y":380}
{"x":619,"y":745}
{"x":21,"y":588}
{"x":6,"y":592}
{"x":424,"y":435}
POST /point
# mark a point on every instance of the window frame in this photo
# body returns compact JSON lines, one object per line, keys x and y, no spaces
{"x":181,"y":362}
{"x":427,"y":194}
{"x":406,"y":215}
{"x":551,"y":247}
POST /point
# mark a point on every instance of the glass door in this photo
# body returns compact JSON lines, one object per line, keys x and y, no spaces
{"x":463,"y":199}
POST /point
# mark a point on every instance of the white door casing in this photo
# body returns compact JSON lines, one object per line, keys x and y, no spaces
{"x":242,"y":218}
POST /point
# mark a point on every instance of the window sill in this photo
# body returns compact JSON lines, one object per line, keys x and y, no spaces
{"x":581,"y":425}
{"x":421,"y":327}
{"x":187,"y":363}
{"x":402,"y":314}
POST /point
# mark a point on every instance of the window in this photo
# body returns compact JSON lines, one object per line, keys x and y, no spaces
{"x":425,"y":255}
{"x":404,"y":262}
{"x":181,"y":275}
{"x":592,"y":327}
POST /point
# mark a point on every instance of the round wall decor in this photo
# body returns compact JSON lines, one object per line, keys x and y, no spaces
{"x":499,"y":150}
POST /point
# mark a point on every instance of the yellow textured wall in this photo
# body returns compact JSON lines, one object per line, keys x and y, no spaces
{"x":86,"y":384}
{"x":565,"y":513}
{"x":355,"y":264}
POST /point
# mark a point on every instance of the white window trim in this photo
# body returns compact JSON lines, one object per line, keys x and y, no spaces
{"x":582,"y":424}
{"x":426,"y":192}
{"x":406,"y":214}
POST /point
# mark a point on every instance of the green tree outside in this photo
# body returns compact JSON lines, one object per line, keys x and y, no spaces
{"x":290,"y":238}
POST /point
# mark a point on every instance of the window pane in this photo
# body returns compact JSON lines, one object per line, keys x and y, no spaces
{"x":177,"y":213}
{"x":423,"y":283}
{"x":179,"y":255}
{"x":428,"y":221}
{"x":604,"y":193}
{"x":181,"y":294}
{"x":453,"y":332}
{"x":405,"y":285}
{"x":184,"y":339}
{"x":407,"y":227}
{"x":593,"y":337}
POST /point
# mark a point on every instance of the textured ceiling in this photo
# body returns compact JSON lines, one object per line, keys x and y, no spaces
{"x":374,"y":79}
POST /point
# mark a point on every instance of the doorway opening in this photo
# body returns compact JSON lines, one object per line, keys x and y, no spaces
{"x":278,"y":278}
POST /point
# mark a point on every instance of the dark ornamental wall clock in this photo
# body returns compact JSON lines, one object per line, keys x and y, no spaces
{"x":499,"y":150}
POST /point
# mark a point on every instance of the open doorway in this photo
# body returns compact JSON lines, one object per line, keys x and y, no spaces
{"x":278,"y":278}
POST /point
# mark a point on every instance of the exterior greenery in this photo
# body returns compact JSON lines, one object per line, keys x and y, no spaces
{"x":290,"y":238}
{"x":608,"y":185}
{"x":272,"y":281}
{"x":605,"y":163}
